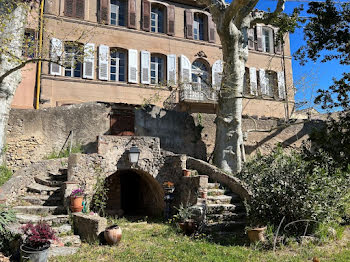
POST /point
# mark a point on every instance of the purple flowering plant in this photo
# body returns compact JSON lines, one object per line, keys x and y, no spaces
{"x":38,"y":236}
{"x":77,"y":192}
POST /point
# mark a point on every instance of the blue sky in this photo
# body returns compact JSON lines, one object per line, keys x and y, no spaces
{"x":313,"y":76}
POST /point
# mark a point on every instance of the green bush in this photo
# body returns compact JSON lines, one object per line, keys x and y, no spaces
{"x":65,"y":153}
{"x":296,"y":187}
{"x":5,"y":174}
{"x":7,"y":216}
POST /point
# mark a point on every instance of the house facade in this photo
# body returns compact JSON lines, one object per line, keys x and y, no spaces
{"x":137,"y":52}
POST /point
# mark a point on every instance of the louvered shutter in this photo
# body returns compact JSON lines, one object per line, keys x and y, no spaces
{"x":145,"y":67}
{"x":211,"y":29}
{"x":69,"y":8}
{"x":171,"y":67}
{"x":171,"y":20}
{"x":89,"y":61}
{"x":189,"y":24}
{"x":104,"y":12}
{"x":251,"y":38}
{"x":259,"y":38}
{"x":146,"y":15}
{"x":262,"y":81}
{"x":132,"y":14}
{"x":253,"y":81}
{"x":55,"y":55}
{"x":217,"y":74}
{"x":185,"y":65}
{"x":132,"y":66}
{"x":277,"y":43}
{"x":80,"y":9}
{"x":103,"y":58}
{"x":281,"y":85}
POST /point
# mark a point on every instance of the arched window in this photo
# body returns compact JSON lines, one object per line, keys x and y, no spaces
{"x":118,"y":65}
{"x":157,"y":18}
{"x":200,"y":75}
{"x":73,"y":57}
{"x":158,"y":75}
{"x":118,"y":12}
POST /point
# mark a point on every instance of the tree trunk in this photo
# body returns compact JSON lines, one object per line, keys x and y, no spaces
{"x":11,"y":39}
{"x":229,"y":137}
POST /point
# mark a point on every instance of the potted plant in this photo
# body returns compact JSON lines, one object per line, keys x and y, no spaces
{"x":185,"y":222}
{"x":256,"y":230}
{"x":36,"y":242}
{"x":76,"y":200}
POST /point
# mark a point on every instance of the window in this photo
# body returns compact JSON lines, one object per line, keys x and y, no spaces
{"x":118,"y":9}
{"x":267,"y":40}
{"x":73,"y":56}
{"x":271,"y":83}
{"x":198,"y":27}
{"x":200,"y":76}
{"x":29,"y":46}
{"x":157,"y":70}
{"x":118,"y":65}
{"x":74,"y":8}
{"x":157,"y":19}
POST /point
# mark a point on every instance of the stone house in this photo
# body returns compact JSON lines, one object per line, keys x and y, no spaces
{"x":142,"y":51}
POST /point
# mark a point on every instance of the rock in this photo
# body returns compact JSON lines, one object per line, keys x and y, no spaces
{"x":62,"y":251}
{"x":66,"y":228}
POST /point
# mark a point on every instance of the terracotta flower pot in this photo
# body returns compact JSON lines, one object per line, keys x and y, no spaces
{"x":188,"y":227}
{"x":256,"y":234}
{"x":187,"y":172}
{"x":113,"y":235}
{"x":76,"y":204}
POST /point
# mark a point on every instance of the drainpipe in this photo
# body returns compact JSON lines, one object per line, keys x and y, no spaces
{"x":38,"y":73}
{"x":285,"y":84}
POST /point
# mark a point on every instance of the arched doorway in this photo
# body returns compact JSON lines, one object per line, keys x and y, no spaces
{"x":134,"y":193}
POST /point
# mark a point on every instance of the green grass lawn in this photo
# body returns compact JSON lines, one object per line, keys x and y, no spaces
{"x":161,"y":242}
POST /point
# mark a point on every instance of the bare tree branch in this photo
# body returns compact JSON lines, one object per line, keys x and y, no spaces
{"x":267,"y":18}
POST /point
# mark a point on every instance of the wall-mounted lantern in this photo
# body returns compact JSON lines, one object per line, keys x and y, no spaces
{"x":134,"y":153}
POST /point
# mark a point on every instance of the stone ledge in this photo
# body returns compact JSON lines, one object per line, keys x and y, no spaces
{"x":88,"y":227}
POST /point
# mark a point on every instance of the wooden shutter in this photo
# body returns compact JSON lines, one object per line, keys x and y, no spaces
{"x":145,"y":67}
{"x":132,"y":14}
{"x":132,"y":66}
{"x":259,"y":38}
{"x":272,"y":41}
{"x":281,"y":85}
{"x":216,"y":73}
{"x":277,"y":43}
{"x":253,"y":81}
{"x":185,"y":68}
{"x":262,"y":82}
{"x":251,"y":38}
{"x":146,"y":15}
{"x":103,"y":58}
{"x":104,"y":12}
{"x":211,"y":29}
{"x":55,"y":55}
{"x":171,"y":20}
{"x":189,"y":24}
{"x":69,"y":8}
{"x":171,"y":68}
{"x":80,"y":9}
{"x":89,"y":61}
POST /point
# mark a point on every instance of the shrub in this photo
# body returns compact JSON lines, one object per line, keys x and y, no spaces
{"x":7,"y":216}
{"x":38,"y":236}
{"x":5,"y":174}
{"x":296,"y":187}
{"x":65,"y":153}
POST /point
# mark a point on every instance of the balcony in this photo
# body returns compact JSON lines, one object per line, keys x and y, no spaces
{"x":192,"y":93}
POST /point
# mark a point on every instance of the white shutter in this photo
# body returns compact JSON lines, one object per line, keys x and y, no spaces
{"x":145,"y":67}
{"x":89,"y":61}
{"x":185,"y":65}
{"x":103,"y":58}
{"x":171,"y":67}
{"x":262,"y":81}
{"x":281,"y":85}
{"x":271,"y":39}
{"x":132,"y":66}
{"x":253,"y":81}
{"x":216,"y":73}
{"x":55,"y":55}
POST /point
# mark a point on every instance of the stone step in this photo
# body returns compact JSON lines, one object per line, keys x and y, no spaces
{"x":220,"y":208}
{"x":226,"y":216}
{"x":213,"y":185}
{"x":221,"y":199}
{"x":51,"y":219}
{"x":62,"y":251}
{"x":68,"y":241}
{"x":225,"y":226}
{"x":58,"y":176}
{"x":41,"y":189}
{"x":48,"y":181}
{"x":40,"y":210}
{"x":63,"y":229}
{"x":43,"y":200}
{"x":215,"y":192}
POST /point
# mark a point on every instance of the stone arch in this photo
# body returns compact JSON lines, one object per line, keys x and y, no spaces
{"x":134,"y":192}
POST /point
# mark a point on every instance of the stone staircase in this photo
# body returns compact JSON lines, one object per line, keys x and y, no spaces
{"x":225,"y":211}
